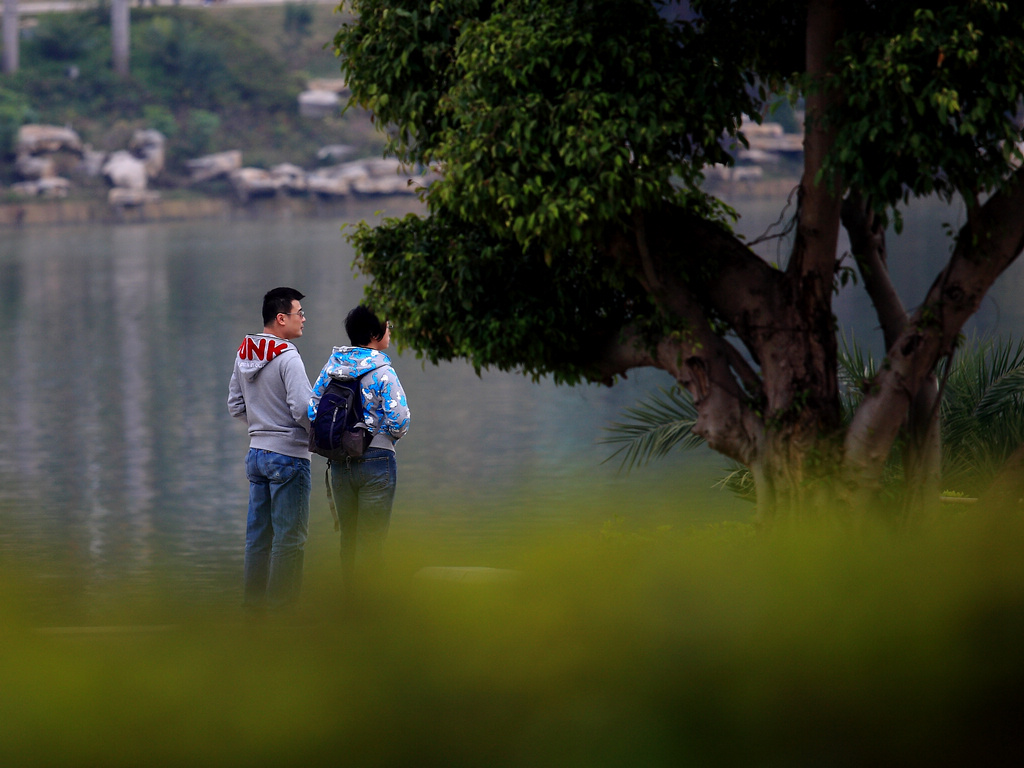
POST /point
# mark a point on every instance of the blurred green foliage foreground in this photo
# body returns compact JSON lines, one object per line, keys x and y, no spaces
{"x":712,"y":646}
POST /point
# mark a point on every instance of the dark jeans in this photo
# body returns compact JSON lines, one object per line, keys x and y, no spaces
{"x":363,"y":491}
{"x":276,"y":528}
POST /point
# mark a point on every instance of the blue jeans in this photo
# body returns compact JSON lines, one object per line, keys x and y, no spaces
{"x":276,"y":529}
{"x":363,"y":490}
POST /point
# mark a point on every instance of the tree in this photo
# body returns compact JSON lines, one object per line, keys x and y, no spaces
{"x":981,"y":415}
{"x":570,"y":236}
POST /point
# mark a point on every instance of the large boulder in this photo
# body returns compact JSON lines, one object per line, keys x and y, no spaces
{"x":380,"y":167}
{"x":326,"y":185}
{"x":53,"y":187}
{"x":290,"y":178}
{"x":254,"y":182}
{"x":37,"y":139}
{"x":332,"y":84}
{"x":319,"y":104}
{"x":214,"y":166}
{"x":123,"y":169}
{"x":34,"y":167}
{"x":336,"y":180}
{"x":386,"y":176}
{"x":148,"y":146}
{"x":335,"y":152}
{"x":381,"y":178}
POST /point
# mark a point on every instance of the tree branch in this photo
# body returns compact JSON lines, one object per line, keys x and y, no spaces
{"x":697,"y":357}
{"x":867,"y":241}
{"x":814,"y":248}
{"x":985,"y":248}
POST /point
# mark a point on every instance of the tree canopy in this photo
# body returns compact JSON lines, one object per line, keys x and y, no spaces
{"x":570,"y":234}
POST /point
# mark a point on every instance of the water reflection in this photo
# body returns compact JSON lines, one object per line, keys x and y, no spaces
{"x":119,"y":459}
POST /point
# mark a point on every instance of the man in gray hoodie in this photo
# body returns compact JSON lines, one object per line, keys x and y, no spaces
{"x":270,"y":391}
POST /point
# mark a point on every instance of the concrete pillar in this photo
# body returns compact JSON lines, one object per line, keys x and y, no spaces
{"x":11,"y":41}
{"x":119,"y":35}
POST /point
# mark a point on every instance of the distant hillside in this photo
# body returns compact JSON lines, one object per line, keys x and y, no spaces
{"x":209,"y":78}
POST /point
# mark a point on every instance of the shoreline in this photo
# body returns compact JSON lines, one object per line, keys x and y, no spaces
{"x":68,"y":212}
{"x":71,"y":212}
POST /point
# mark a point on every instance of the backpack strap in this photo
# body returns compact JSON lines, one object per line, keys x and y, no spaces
{"x":330,"y":496}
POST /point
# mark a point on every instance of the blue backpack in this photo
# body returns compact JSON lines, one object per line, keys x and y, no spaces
{"x":338,"y":430}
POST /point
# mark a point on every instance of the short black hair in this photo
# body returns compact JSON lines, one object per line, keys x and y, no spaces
{"x":277,"y":301}
{"x":363,"y":326}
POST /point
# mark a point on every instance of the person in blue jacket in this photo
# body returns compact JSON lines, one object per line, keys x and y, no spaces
{"x":363,"y":489}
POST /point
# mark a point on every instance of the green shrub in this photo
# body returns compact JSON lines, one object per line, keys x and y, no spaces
{"x":14,"y":113}
{"x":297,"y":18}
{"x":200,"y":129}
{"x":67,"y":37}
{"x":160,"y":118}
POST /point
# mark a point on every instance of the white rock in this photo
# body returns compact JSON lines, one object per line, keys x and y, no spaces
{"x":55,"y":186}
{"x":35,"y":139}
{"x":212,"y":166}
{"x":383,"y":185}
{"x":334,"y":152}
{"x":123,"y":169}
{"x":327,"y":185}
{"x":332,"y":84}
{"x":34,"y":167}
{"x":254,"y":182}
{"x":148,"y":146}
{"x":319,"y":103}
{"x":25,"y":188}
{"x":290,"y":178}
{"x":383,"y":166}
{"x":52,"y":187}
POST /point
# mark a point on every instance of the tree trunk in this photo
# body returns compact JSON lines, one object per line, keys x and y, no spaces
{"x":922,"y":453}
{"x":985,"y":248}
{"x":778,"y":411}
{"x":119,"y":35}
{"x":11,"y":41}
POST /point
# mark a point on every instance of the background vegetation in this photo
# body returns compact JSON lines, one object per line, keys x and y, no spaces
{"x":210,"y":79}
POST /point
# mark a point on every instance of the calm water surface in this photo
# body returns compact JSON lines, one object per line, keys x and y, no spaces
{"x":119,"y":460}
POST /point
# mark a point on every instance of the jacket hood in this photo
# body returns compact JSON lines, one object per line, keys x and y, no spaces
{"x":258,"y":349}
{"x":353,"y":362}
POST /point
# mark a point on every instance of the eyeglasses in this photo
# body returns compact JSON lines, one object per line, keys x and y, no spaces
{"x":301,"y":313}
{"x":388,"y":325}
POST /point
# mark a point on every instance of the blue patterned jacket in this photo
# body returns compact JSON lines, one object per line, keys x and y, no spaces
{"x":384,"y":404}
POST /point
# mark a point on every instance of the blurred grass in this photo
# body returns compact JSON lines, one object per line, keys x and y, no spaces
{"x":617,"y":645}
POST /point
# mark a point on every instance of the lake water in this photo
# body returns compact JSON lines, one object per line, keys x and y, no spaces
{"x":119,"y":460}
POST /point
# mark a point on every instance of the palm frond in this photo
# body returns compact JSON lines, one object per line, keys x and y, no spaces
{"x":655,"y":426}
{"x":982,"y":416}
{"x":982,"y":411}
{"x":739,"y":480}
{"x":856,"y":368}
{"x":1005,"y":387}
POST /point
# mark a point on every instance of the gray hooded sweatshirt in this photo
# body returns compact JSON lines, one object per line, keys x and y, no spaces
{"x":270,"y":390}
